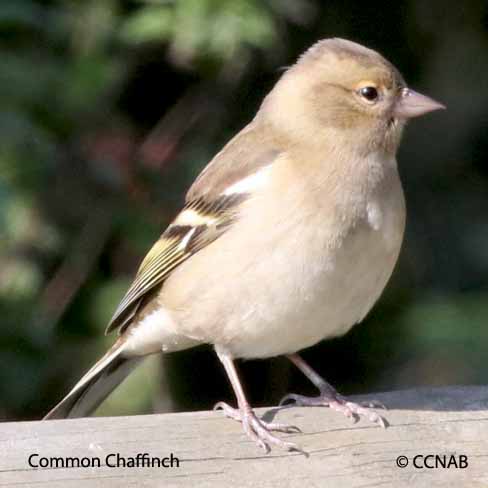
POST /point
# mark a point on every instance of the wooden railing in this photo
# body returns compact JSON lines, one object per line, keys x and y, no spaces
{"x":441,"y":433}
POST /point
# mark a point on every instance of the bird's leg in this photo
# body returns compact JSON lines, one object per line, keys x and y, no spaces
{"x":329,"y":397}
{"x":256,"y":429}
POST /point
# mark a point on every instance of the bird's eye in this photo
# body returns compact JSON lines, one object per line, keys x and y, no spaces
{"x":369,"y":93}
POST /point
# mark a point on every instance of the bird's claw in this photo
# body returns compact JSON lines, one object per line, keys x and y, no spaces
{"x":259,"y":430}
{"x":340,"y":404}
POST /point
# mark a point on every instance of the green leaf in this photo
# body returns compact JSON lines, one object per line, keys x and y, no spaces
{"x":153,"y":23}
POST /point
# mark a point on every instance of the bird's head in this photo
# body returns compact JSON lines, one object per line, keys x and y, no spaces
{"x":341,"y":89}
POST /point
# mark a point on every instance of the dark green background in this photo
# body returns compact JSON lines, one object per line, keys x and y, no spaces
{"x":109,"y":108}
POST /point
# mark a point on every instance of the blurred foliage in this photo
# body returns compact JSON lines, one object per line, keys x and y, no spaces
{"x":215,"y":28}
{"x":110,"y":108}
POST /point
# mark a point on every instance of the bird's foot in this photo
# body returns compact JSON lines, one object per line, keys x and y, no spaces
{"x":258,"y":430}
{"x":330,"y":398}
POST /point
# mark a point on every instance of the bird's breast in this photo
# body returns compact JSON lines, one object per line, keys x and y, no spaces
{"x":289,"y":275}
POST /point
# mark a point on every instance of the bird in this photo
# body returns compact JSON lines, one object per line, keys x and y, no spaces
{"x":287,"y":237}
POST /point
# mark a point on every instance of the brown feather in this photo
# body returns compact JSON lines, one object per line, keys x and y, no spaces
{"x":215,"y":212}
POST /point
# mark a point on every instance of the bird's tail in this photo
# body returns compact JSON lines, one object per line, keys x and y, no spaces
{"x":95,"y":385}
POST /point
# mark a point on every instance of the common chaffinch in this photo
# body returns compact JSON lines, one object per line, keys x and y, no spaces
{"x":288,"y":236}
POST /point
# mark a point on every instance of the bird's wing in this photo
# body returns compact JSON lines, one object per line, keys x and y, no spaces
{"x":206,"y":216}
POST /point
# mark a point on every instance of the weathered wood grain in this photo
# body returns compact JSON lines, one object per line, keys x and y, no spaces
{"x":213,"y":451}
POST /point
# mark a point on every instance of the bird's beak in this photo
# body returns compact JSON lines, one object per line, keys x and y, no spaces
{"x":413,"y":104}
